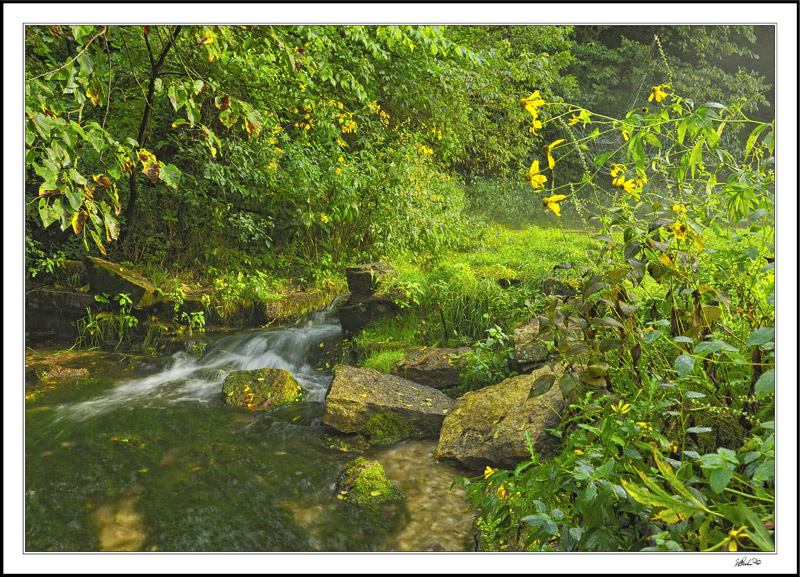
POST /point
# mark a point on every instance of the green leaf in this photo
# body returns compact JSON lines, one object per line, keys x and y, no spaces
{"x":684,"y":365}
{"x":758,"y":532}
{"x":764,"y":472}
{"x":542,"y":385}
{"x":719,"y":479}
{"x":75,"y":199}
{"x":47,"y":213}
{"x":766,"y":383}
{"x":651,"y":336}
{"x":760,"y":336}
{"x":601,"y":159}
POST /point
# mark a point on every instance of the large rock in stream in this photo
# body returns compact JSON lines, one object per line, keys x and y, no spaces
{"x":113,"y":279}
{"x":432,"y":367}
{"x":359,"y":399}
{"x":261,"y":389}
{"x":487,"y":427}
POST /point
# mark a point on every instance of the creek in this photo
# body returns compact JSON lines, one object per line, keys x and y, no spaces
{"x":155,"y":461}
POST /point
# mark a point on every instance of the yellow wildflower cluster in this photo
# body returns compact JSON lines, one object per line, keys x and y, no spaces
{"x":679,"y":208}
{"x":324,"y":219}
{"x":426,"y":150}
{"x":618,"y":176}
{"x":532,"y":104}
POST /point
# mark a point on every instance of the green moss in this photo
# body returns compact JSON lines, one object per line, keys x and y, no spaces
{"x":365,"y":483}
{"x":385,"y":429}
{"x":261,"y":389}
{"x":382,"y":360}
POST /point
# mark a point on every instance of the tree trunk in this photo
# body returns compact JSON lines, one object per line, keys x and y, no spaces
{"x":155,"y":68}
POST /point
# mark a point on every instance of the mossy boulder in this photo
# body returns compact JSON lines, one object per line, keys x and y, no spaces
{"x":364,"y":482}
{"x":358,"y":395}
{"x":363,"y":279}
{"x":261,"y":389}
{"x":529,"y":349}
{"x":113,"y":279}
{"x":487,"y":427}
{"x":433,"y":367}
{"x":385,"y":429}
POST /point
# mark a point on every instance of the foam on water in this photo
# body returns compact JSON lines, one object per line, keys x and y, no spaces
{"x":199,"y":379}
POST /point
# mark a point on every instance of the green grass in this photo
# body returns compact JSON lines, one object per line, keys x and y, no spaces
{"x":382,"y":360}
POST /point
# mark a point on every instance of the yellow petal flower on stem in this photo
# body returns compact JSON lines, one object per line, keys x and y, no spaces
{"x":488,"y":472}
{"x":658,"y":92}
{"x":531,"y":103}
{"x":535,"y":125}
{"x":552,"y":201}
{"x":550,"y":160}
{"x":679,"y":208}
{"x":629,"y":186}
{"x":625,"y":135}
{"x":532,"y":176}
{"x":617,"y":168}
{"x":680,"y":229}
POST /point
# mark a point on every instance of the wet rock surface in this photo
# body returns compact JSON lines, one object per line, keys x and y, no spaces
{"x":113,"y":279}
{"x":433,"y":367}
{"x":487,"y":427}
{"x":357,"y":395}
{"x":260,"y":389}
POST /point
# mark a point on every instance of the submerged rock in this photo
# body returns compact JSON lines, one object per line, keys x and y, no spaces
{"x":433,"y":367}
{"x":358,"y":395}
{"x":487,"y":427}
{"x":364,"y":482}
{"x":261,"y":389}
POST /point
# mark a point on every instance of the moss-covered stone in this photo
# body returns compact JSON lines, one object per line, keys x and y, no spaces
{"x":113,"y":279}
{"x":261,"y":389}
{"x":364,"y":482}
{"x":385,"y":429}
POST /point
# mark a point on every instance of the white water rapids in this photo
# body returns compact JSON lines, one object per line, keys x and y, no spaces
{"x":192,"y":378}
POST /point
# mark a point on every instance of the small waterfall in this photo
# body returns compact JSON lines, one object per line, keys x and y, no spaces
{"x":189,"y":378}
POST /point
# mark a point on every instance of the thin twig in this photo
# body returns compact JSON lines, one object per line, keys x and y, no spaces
{"x":74,"y":59}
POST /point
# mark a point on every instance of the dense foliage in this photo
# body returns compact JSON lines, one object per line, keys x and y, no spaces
{"x":245,"y":156}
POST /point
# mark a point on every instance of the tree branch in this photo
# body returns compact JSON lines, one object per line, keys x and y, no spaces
{"x":74,"y":59}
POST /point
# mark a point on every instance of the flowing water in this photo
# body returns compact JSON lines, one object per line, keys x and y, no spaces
{"x":157,"y":462}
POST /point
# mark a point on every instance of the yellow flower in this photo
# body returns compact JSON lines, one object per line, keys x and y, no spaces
{"x":501,"y":492}
{"x":550,"y":160}
{"x":532,"y":103}
{"x":552,"y":201}
{"x":658,"y":92}
{"x":579,"y":116}
{"x":536,"y":180}
{"x":641,"y":180}
{"x":621,"y":408}
{"x":338,"y":170}
{"x":679,"y":208}
{"x":535,"y":125}
{"x":625,"y":134}
{"x":629,"y":186}
{"x":340,"y":159}
{"x":578,"y":452}
{"x":488,"y":472}
{"x":323,"y":218}
{"x":680,"y":229}
{"x":617,"y":168}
